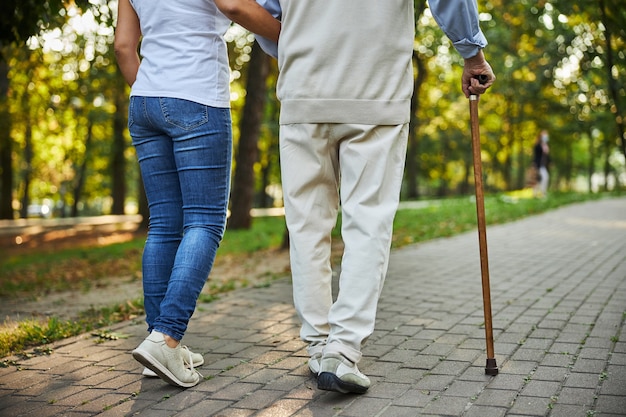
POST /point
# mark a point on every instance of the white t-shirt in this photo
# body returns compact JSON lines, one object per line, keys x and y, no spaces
{"x":183,"y":51}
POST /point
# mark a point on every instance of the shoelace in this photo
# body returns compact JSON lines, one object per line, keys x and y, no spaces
{"x":190,"y":360}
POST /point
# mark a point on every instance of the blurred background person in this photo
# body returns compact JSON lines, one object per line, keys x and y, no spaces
{"x":541,"y":162}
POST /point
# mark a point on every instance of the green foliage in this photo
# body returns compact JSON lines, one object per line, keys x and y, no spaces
{"x":20,"y":19}
{"x":64,"y":111}
{"x":550,"y":59}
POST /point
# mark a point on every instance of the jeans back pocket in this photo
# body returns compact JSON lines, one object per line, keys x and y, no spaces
{"x":184,"y":114}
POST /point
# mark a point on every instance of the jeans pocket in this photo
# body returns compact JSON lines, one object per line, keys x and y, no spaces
{"x":184,"y":114}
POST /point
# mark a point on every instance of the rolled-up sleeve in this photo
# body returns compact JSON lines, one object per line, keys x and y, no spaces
{"x":273,"y":7}
{"x":459,"y":21}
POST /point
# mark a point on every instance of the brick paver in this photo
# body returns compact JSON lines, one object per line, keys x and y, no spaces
{"x":558,"y":291}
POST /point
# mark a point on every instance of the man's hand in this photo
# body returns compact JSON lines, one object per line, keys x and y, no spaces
{"x":476,"y":65}
{"x":252,"y":16}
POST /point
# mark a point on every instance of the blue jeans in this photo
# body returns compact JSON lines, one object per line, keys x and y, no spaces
{"x":184,"y":151}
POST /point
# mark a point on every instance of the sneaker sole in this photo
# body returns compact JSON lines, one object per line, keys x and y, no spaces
{"x":162,"y":372}
{"x":328,"y":381}
{"x":148,"y":373}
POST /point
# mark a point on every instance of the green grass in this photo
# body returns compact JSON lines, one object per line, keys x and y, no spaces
{"x":32,"y":333}
{"x":265,"y":233}
{"x":448,"y":217}
{"x":37,"y":274}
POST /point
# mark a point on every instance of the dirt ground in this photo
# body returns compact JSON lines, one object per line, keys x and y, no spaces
{"x":255,"y":269}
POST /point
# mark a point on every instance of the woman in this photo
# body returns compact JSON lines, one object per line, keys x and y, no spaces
{"x":180,"y":125}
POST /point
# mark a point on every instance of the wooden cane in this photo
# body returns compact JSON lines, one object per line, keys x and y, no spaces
{"x":491,"y":367}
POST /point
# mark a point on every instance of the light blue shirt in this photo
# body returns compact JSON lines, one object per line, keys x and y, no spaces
{"x":457,"y":19}
{"x":273,"y":7}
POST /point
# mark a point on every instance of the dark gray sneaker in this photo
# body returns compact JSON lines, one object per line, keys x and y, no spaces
{"x":339,"y":374}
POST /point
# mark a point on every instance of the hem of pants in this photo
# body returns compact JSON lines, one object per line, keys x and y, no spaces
{"x":348,"y":352}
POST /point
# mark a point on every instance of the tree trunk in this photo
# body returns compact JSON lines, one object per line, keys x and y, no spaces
{"x":242,"y":195}
{"x":616,"y":108}
{"x":263,"y":199}
{"x":412,"y":166}
{"x":82,"y":169}
{"x":6,"y":145}
{"x":412,"y":169}
{"x":507,"y":166}
{"x":592,"y":156}
{"x":271,"y":158}
{"x":118,"y":159}
{"x":608,"y":168}
{"x":27,"y":172}
{"x":285,"y":243}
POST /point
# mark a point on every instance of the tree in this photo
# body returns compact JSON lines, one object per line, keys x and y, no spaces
{"x":560,"y":65}
{"x":419,"y":58}
{"x":118,"y":157}
{"x":614,"y":16}
{"x":19,"y":19}
{"x":76,"y":104}
{"x":6,"y":177}
{"x":244,"y":180}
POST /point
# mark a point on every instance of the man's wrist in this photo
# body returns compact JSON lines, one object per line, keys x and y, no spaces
{"x":479,"y":57}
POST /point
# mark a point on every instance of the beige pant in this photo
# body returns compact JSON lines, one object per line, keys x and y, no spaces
{"x":359,"y":167}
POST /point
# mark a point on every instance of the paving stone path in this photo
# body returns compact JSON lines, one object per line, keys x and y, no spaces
{"x":558,"y":291}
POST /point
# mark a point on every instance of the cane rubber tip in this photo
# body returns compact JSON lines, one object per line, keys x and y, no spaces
{"x":491,"y":368}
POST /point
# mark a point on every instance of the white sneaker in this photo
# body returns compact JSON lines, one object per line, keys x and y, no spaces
{"x":167,"y":362}
{"x":339,"y":374}
{"x":197,"y":359}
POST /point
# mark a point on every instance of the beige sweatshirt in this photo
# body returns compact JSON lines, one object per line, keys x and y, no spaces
{"x":346,"y":61}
